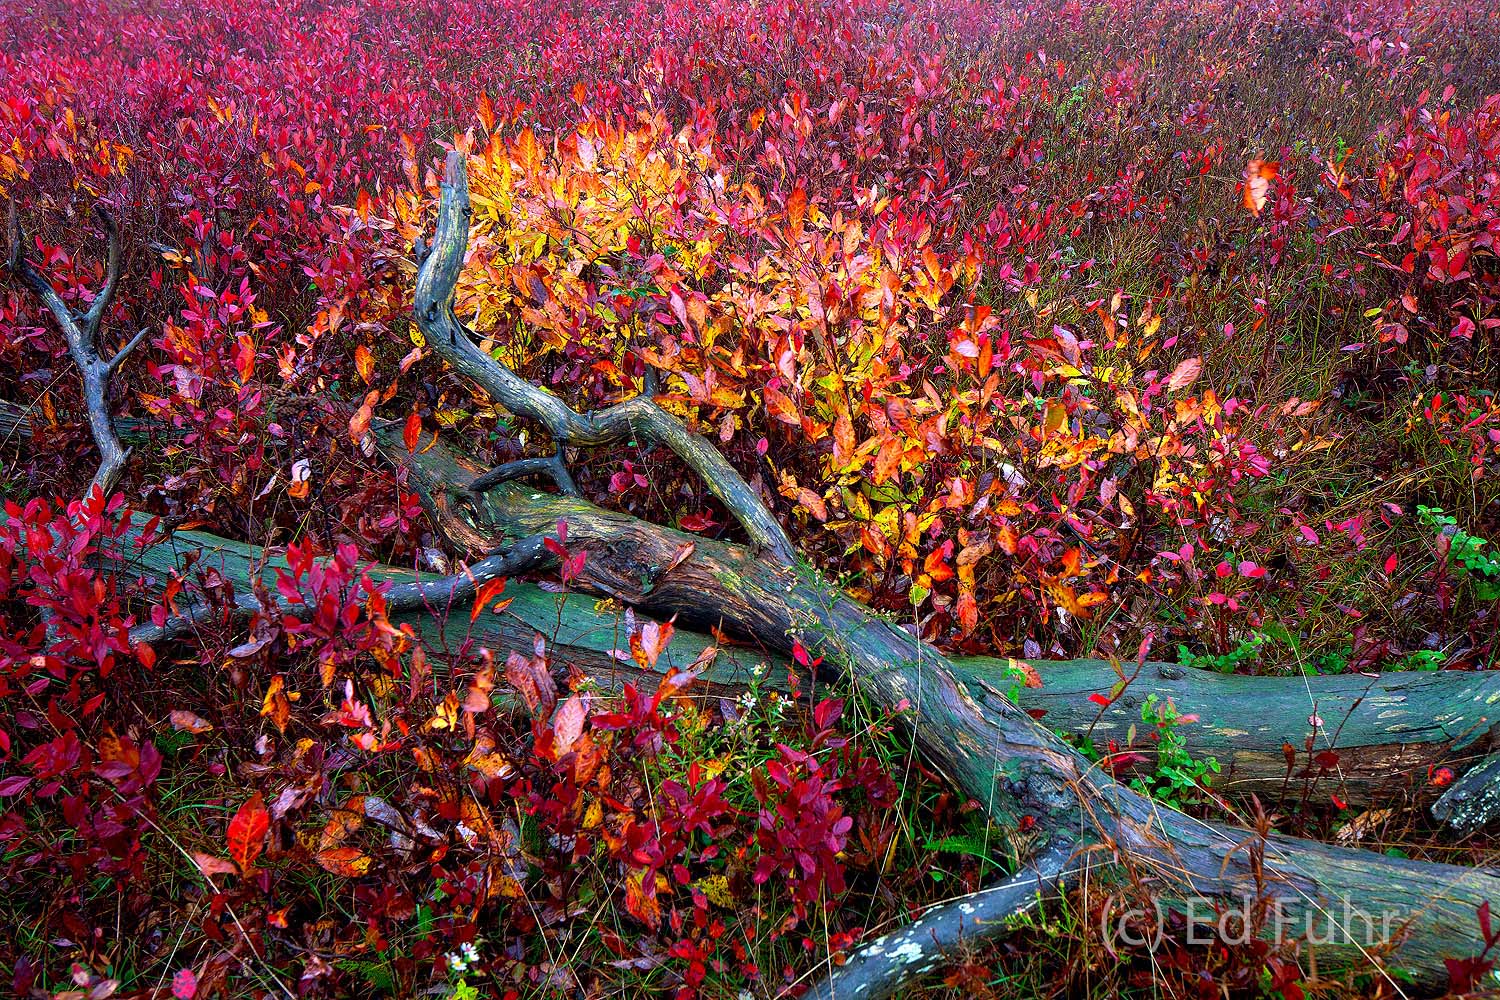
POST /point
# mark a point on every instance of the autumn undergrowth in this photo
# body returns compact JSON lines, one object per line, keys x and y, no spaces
{"x":1048,"y":329}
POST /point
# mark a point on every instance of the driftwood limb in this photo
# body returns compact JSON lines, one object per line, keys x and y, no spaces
{"x":437,"y":596}
{"x":638,"y":418}
{"x":881,"y":968}
{"x":553,"y":468}
{"x":81,"y":330}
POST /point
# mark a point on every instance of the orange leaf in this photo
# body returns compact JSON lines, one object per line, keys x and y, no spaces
{"x":359,"y":424}
{"x":349,"y":862}
{"x":364,"y":363}
{"x":567,"y":724}
{"x":276,"y":705}
{"x":211,"y":864}
{"x":477,"y":698}
{"x":244,"y":357}
{"x":641,"y":900}
{"x":183,"y":720}
{"x":843,"y":439}
{"x":486,"y":593}
{"x":247,"y":833}
{"x":647,"y":645}
{"x":936,"y":563}
{"x":1258,"y":177}
{"x":796,"y":208}
{"x":814,"y":503}
{"x":778,"y":405}
{"x":888,"y":460}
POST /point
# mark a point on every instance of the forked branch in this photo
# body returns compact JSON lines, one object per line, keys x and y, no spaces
{"x":638,"y":418}
{"x":81,"y":330}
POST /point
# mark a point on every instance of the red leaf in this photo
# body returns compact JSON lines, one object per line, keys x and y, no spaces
{"x":487,"y":592}
{"x":1101,"y":699}
{"x":412,"y":432}
{"x":247,"y":832}
{"x":698,"y":521}
{"x":14,"y":785}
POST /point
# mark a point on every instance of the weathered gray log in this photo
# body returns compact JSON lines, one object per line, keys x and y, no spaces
{"x":584,"y":632}
{"x":1474,"y":799}
{"x":638,"y":418}
{"x":880,"y":969}
{"x":994,"y":751}
{"x":1390,"y":731}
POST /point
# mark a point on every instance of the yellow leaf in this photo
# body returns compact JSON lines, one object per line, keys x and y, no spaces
{"x":446,"y":716}
{"x":716,"y":889}
{"x":276,"y":705}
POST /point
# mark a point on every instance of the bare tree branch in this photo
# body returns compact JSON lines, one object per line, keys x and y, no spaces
{"x":553,"y":467}
{"x":636,"y":418}
{"x":438,"y":595}
{"x":882,"y":967}
{"x":81,"y":332}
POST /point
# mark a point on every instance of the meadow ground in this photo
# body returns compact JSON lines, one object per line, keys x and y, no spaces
{"x":1161,"y":331}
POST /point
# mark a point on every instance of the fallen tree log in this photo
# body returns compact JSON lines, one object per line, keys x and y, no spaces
{"x":1390,"y":731}
{"x":991,"y":749}
{"x":1435,"y":903}
{"x":1001,"y":757}
{"x":1387,"y":730}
